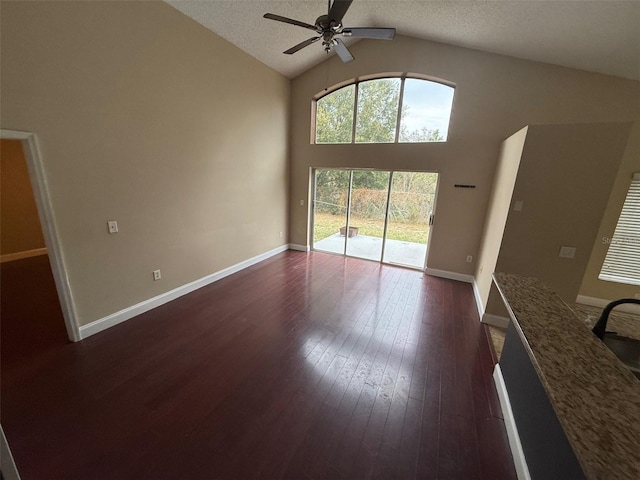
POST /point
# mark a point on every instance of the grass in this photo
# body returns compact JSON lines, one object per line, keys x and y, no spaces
{"x":327,"y":225}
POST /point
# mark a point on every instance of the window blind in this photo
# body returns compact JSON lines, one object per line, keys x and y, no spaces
{"x":622,"y":263}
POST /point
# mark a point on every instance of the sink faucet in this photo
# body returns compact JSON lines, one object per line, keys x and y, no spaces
{"x":601,"y":325}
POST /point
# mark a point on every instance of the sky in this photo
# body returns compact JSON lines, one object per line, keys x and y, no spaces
{"x":429,"y":105}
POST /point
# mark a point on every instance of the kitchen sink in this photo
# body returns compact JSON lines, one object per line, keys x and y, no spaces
{"x":626,"y":349}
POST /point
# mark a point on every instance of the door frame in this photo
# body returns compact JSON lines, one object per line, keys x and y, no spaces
{"x":313,"y":185}
{"x":46,"y":215}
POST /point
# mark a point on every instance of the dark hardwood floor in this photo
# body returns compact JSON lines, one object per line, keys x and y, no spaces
{"x":305,"y":366}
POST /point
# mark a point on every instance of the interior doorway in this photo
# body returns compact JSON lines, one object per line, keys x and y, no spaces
{"x":49,"y":259}
{"x":32,"y":319}
{"x":386,"y":216}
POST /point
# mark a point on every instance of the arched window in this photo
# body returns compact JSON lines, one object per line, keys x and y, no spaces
{"x":385,"y":110}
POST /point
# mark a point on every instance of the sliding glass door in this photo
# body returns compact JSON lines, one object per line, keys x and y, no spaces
{"x":367,"y":213}
{"x":330,"y":203}
{"x":411,"y":203}
{"x":375,"y":215}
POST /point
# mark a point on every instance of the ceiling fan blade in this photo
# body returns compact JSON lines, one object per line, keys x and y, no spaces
{"x":378,"y":33}
{"x":301,"y":45}
{"x":342,"y":50}
{"x":290,"y":21}
{"x":338,"y":9}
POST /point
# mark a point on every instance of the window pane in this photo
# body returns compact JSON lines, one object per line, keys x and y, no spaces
{"x":377,"y":110}
{"x":367,"y":212}
{"x":334,"y":116}
{"x":411,"y":206}
{"x":330,"y":210}
{"x":426,"y":109}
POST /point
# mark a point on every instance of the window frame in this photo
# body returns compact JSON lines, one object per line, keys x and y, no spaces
{"x":622,"y":260}
{"x":356,"y":82}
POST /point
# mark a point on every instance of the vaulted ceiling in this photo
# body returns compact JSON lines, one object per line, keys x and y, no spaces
{"x":599,"y":36}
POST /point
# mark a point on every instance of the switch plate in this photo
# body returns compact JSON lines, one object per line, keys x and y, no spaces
{"x":567,"y":252}
{"x":113,"y":226}
{"x":517,"y":207}
{"x":156,"y":275}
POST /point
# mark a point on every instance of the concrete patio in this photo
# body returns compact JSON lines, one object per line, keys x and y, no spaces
{"x":398,"y":252}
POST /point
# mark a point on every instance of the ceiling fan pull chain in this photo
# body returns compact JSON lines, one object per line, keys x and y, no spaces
{"x":326,"y":74}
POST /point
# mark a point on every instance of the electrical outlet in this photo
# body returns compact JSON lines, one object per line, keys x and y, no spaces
{"x":280,"y":234}
{"x":156,"y":275}
{"x":113,"y":226}
{"x":469,"y":258}
{"x":301,"y":203}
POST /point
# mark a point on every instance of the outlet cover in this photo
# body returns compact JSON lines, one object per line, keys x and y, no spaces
{"x":567,"y":252}
{"x":156,"y":275}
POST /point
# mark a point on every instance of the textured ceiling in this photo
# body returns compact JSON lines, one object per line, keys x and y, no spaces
{"x":600,"y":36}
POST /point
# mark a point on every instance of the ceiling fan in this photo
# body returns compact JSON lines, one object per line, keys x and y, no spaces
{"x":329,"y":25}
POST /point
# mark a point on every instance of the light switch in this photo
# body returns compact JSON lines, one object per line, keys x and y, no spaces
{"x":567,"y":252}
{"x":113,"y":226}
{"x":517,"y":207}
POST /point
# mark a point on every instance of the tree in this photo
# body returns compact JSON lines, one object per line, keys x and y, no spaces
{"x":331,"y":191}
{"x":372,"y":179}
{"x":377,"y":110}
{"x":420,"y":135}
{"x":334,"y":116}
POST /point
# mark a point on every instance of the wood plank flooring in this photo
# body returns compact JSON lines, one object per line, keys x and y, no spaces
{"x":305,"y":366}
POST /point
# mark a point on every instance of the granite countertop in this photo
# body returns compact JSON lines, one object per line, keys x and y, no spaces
{"x":595,"y":397}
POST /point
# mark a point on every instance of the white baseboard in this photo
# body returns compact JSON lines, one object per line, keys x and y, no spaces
{"x":522,"y":470}
{"x":9,"y":257}
{"x":300,"y":248}
{"x":495,"y":320}
{"x":130,"y":312}
{"x":476,"y":295}
{"x":7,"y":464}
{"x":461,"y":277}
{"x":601,"y":303}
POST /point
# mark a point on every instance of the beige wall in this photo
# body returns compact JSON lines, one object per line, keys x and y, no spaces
{"x":591,"y":285}
{"x":145,"y":117}
{"x":20,"y":226}
{"x":495,"y":97}
{"x":566,"y":173}
{"x":498,"y":210}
